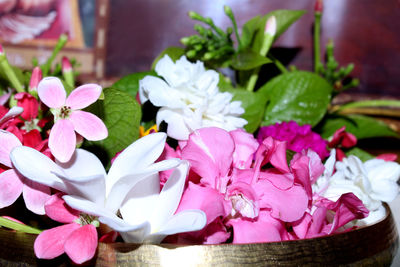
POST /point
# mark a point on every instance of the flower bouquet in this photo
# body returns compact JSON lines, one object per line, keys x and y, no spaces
{"x":196,"y":151}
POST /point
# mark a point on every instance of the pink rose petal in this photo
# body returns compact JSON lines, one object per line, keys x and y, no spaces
{"x":50,"y":243}
{"x":88,"y":125}
{"x":62,"y":140}
{"x":83,"y":96}
{"x":81,"y":245}
{"x":51,"y":92}
{"x":35,"y":196}
{"x":11,"y":188}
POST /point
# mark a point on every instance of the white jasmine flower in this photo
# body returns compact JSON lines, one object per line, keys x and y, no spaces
{"x":189,"y":98}
{"x":372,"y":182}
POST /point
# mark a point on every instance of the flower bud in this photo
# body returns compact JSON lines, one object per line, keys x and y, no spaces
{"x":270,"y":27}
{"x":319,"y":6}
{"x":66,"y":65}
{"x":36,"y":77}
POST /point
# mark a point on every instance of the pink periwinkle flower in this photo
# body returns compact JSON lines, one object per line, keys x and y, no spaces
{"x":77,"y":237}
{"x":297,"y":137}
{"x":13,"y":184}
{"x":68,"y":117}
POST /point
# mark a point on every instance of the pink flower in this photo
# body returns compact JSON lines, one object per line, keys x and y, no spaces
{"x":68,"y":117}
{"x":77,"y":238}
{"x":12,"y":184}
{"x":297,"y":137}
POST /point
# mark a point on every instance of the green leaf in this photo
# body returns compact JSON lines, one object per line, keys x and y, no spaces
{"x":247,"y":60}
{"x":252,"y":104}
{"x":360,"y":126}
{"x":121,"y":114}
{"x":300,"y":96}
{"x":18,"y":227}
{"x":249,"y":29}
{"x":359,"y":153}
{"x":284,"y":19}
{"x":130,"y":83}
{"x":173,"y":52}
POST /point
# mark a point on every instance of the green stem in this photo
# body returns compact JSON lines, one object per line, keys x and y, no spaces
{"x":229,"y":13}
{"x":10,"y":74}
{"x":278,"y":64}
{"x":371,"y":103}
{"x":60,"y":44}
{"x":317,"y":29}
{"x":268,"y":39}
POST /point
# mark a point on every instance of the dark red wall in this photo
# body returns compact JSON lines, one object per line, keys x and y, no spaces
{"x":366,"y":32}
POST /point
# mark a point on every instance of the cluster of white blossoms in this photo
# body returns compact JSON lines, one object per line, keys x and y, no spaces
{"x":373,"y":182}
{"x":189,"y":98}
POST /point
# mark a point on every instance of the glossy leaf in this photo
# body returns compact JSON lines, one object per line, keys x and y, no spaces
{"x":173,"y":52}
{"x":121,"y":114}
{"x":300,"y":96}
{"x":130,"y":83}
{"x":247,"y":60}
{"x":253,"y":30}
{"x":360,"y":126}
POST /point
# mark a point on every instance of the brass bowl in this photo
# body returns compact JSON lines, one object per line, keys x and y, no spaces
{"x":374,"y":245}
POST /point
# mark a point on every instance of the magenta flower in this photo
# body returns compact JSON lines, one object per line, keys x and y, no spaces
{"x":297,"y":137}
{"x":77,"y":238}
{"x":68,"y":117}
{"x":13,"y":184}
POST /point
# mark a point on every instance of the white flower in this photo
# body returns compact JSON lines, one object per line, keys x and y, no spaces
{"x":90,"y":190}
{"x":372,"y":182}
{"x":189,"y":98}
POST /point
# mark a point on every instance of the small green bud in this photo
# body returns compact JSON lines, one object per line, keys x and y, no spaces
{"x":228,"y":10}
{"x":185,"y":40}
{"x":191,"y":53}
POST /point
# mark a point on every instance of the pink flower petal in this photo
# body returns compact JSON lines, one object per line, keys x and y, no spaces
{"x":265,"y":229}
{"x":88,"y":125}
{"x":245,"y":146}
{"x":81,"y":245}
{"x":35,"y":196}
{"x":11,"y":188}
{"x":83,"y":96}
{"x":50,"y":243}
{"x":209,"y":151}
{"x":206,"y":199}
{"x":51,"y":92}
{"x":58,"y":210}
{"x":62,"y":140}
{"x":300,"y":168}
{"x":287,"y":205}
{"x":7,"y":142}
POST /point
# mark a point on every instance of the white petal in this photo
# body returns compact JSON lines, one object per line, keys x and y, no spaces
{"x":124,"y":184}
{"x":136,"y":157}
{"x":140,"y":202}
{"x":170,"y":196}
{"x":177,"y":127}
{"x":37,"y":167}
{"x":184,"y":221}
{"x":83,"y":163}
{"x":159,"y":93}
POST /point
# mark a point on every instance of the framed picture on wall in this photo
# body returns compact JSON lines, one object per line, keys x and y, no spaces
{"x":30,"y":29}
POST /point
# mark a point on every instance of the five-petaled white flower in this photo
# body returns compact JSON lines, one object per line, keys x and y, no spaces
{"x":189,"y":98}
{"x":372,"y":182}
{"x":131,"y":186}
